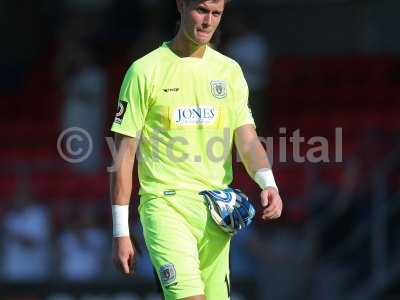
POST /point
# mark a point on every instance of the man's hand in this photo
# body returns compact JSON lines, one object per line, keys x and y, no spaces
{"x":123,"y":254}
{"x":271,"y":203}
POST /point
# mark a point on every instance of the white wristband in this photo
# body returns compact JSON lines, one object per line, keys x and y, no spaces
{"x":265,"y":178}
{"x":120,"y":216}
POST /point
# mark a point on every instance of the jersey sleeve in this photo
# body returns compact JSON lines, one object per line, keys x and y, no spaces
{"x":242,"y":108}
{"x":133,"y":103}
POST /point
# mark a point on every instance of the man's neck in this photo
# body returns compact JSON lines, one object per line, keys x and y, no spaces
{"x":184,"y":47}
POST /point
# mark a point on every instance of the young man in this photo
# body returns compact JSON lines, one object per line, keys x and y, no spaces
{"x":187,"y":103}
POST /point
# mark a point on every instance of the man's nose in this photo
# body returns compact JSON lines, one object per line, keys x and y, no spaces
{"x":207,"y":19}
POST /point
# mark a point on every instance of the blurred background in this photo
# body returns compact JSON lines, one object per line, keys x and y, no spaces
{"x":311,"y":65}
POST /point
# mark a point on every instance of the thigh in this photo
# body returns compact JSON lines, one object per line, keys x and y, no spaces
{"x":172,"y":248}
{"x":214,"y":262}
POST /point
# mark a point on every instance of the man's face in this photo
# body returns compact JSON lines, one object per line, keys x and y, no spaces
{"x":200,"y":19}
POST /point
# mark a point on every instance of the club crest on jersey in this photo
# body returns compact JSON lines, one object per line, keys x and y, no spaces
{"x":218,"y":88}
{"x":167,"y":273}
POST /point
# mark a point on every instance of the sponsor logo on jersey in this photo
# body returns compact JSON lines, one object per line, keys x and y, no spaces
{"x":189,"y":115}
{"x":171,"y":90}
{"x":167,"y":274}
{"x":218,"y":88}
{"x":120,"y":112}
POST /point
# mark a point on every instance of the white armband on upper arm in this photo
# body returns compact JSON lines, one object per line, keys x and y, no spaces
{"x":265,"y":178}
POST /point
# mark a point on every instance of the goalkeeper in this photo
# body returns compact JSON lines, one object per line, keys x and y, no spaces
{"x":183,"y":106}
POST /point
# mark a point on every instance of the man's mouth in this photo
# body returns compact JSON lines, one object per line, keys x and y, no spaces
{"x":203,"y":32}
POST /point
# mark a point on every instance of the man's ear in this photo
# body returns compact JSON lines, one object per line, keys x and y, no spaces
{"x":179,"y":5}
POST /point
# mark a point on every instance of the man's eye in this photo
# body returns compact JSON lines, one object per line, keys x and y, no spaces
{"x":202,"y":10}
{"x":216,"y":14}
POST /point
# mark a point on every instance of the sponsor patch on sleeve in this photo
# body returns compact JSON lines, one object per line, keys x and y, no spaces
{"x":119,"y":116}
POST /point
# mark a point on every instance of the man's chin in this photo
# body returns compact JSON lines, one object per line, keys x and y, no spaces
{"x":202,"y":41}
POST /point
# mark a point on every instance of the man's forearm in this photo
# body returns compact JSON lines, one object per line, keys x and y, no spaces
{"x":121,"y":187}
{"x":121,"y":184}
{"x":252,"y":153}
{"x":121,"y":178}
{"x":254,"y":157}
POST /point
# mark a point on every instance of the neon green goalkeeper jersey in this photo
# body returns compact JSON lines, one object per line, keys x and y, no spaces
{"x":185,"y":111}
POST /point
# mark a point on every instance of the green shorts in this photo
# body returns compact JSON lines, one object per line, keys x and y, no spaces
{"x":188,"y":250}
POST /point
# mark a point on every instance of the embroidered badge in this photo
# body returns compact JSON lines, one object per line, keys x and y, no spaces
{"x":121,"y":111}
{"x":218,"y":89}
{"x":167,"y":274}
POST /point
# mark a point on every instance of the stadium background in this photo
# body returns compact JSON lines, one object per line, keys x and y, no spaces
{"x":314,"y":65}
